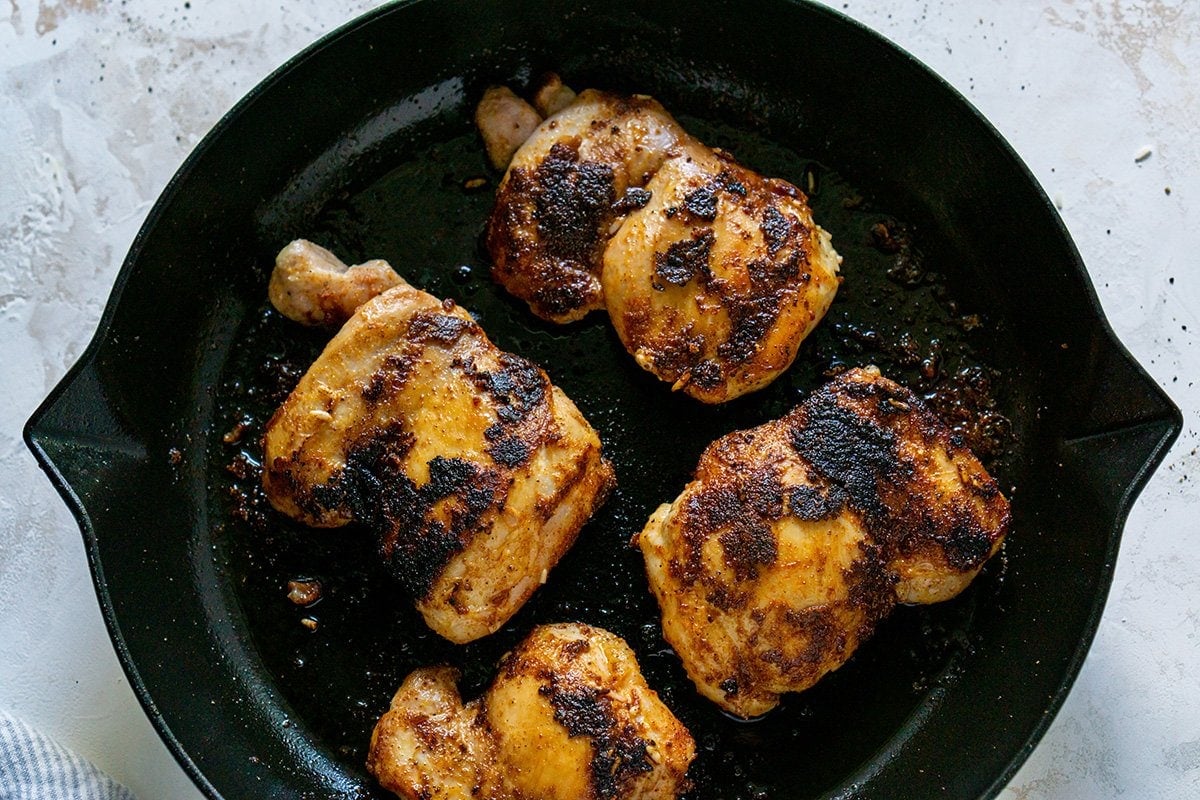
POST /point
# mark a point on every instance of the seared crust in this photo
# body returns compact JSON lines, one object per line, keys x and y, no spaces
{"x":568,"y":717}
{"x":924,"y":495}
{"x":713,"y":285}
{"x":797,"y":537}
{"x":712,"y":274}
{"x":475,"y":471}
{"x":563,"y":192}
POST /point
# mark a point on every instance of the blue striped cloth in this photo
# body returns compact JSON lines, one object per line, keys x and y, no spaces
{"x":34,"y":767}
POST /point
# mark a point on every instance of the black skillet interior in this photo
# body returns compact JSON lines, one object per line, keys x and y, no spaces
{"x":960,"y":281}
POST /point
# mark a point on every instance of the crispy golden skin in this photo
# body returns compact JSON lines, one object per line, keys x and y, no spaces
{"x":474,"y":470}
{"x":568,"y":717}
{"x":712,"y":274}
{"x":797,"y":537}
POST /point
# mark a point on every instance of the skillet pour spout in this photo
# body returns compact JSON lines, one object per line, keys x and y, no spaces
{"x":191,"y":577}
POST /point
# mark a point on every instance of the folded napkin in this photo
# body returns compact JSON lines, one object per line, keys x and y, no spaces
{"x":33,"y":767}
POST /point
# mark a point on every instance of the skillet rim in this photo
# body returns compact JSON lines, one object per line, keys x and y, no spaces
{"x":1168,"y":418}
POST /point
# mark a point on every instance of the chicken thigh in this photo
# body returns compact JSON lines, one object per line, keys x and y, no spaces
{"x":475,"y":472}
{"x":565,"y":189}
{"x":568,"y":717}
{"x":711,"y":273}
{"x":713,"y":284}
{"x":797,"y":537}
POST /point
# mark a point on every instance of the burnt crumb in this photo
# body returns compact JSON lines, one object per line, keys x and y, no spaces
{"x":684,"y":260}
{"x":931,"y":364}
{"x":886,"y":237}
{"x":174,"y":456}
{"x":966,"y":401}
{"x":242,"y":468}
{"x":279,"y":377}
{"x":894,"y":239}
{"x":633,"y":199}
{"x":248,"y":502}
{"x":234,"y":435}
{"x":730,"y":687}
{"x":906,"y":350}
{"x":304,"y":591}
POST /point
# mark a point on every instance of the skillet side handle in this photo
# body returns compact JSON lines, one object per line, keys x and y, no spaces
{"x":1128,"y":425}
{"x":78,"y":440}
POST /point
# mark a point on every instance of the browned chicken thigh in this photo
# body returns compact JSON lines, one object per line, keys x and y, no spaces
{"x":716,"y":281}
{"x":565,"y":190}
{"x":568,"y":717}
{"x":472,"y":468}
{"x":797,"y":537}
{"x":711,"y":273}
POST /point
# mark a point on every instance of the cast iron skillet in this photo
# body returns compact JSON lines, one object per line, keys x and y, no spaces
{"x":960,"y":281}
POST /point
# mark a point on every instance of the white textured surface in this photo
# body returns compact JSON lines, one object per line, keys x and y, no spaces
{"x":100,"y":102}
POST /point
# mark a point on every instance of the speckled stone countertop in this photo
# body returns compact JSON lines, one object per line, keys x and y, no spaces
{"x":101,"y":101}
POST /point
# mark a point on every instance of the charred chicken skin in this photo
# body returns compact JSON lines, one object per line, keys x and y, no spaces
{"x":475,"y":472}
{"x":797,"y":537}
{"x":712,"y":274}
{"x":568,"y":717}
